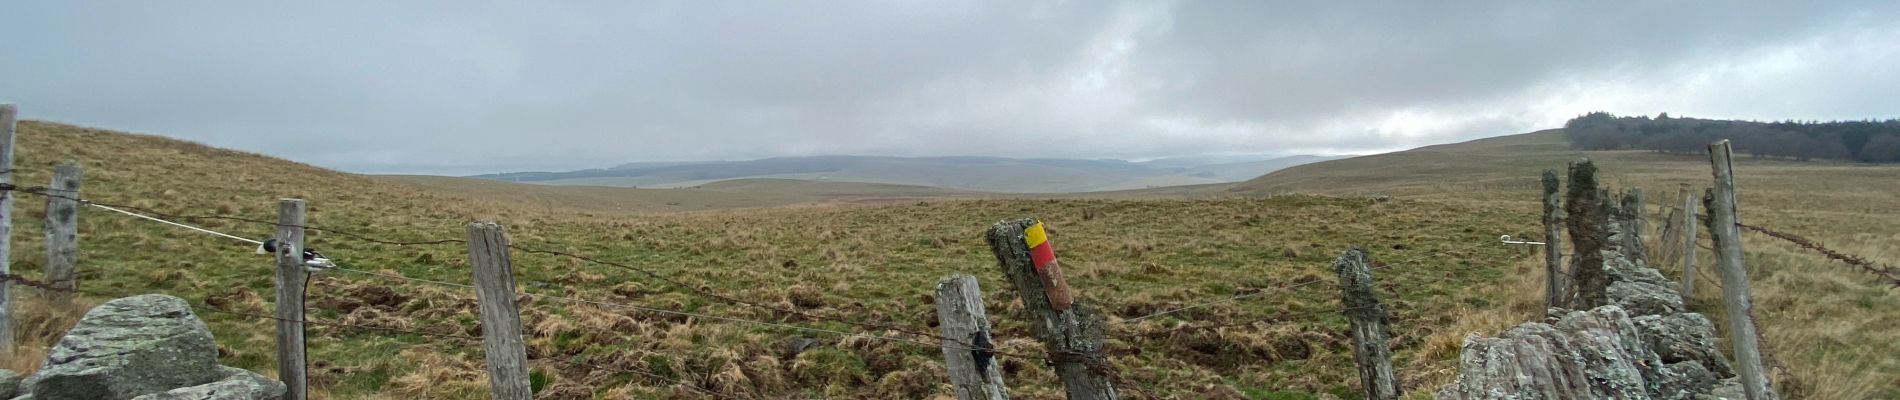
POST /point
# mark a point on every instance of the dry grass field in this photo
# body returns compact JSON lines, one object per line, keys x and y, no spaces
{"x":841,"y":256}
{"x":874,"y":262}
{"x":1830,"y":326}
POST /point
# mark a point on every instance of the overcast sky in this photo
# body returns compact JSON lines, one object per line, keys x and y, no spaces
{"x":460,"y":87}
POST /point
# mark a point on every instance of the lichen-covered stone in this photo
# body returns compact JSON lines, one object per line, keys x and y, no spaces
{"x":129,"y":347}
{"x":9,"y":383}
{"x":1685,"y":337}
{"x":237,"y":384}
{"x":1645,"y":299}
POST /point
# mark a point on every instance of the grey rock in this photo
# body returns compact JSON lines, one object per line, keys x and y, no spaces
{"x":1593,"y":354}
{"x":237,"y":384}
{"x":129,"y":347}
{"x":1686,"y":337}
{"x":9,"y":383}
{"x":1645,"y":299}
{"x":1683,"y":381}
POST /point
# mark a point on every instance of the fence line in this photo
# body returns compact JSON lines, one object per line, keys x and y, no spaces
{"x":1094,"y":361}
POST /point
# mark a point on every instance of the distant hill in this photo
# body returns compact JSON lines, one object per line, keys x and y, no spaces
{"x":987,"y":174}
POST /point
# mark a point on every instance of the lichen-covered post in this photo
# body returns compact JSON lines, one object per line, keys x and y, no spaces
{"x":1586,"y":214}
{"x":1629,"y":220}
{"x":968,"y":350}
{"x":1371,"y":333}
{"x":1070,"y":332}
{"x":1728,"y":257}
{"x":1555,"y":284}
{"x":62,"y":233}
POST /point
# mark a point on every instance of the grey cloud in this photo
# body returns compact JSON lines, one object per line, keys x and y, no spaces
{"x":456,"y":87}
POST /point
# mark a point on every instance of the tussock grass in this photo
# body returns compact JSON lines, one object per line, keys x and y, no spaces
{"x":873,"y":262}
{"x":1828,"y":325}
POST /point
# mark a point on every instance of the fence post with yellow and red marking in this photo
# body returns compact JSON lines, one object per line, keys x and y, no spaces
{"x":1042,"y":257}
{"x":1069,"y":331}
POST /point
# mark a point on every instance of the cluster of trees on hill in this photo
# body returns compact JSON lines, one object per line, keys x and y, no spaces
{"x":1864,"y":141}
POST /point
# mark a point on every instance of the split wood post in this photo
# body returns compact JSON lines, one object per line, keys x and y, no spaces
{"x":62,"y":233}
{"x":968,"y":349}
{"x":1555,"y":283}
{"x":494,"y":275}
{"x":1587,"y":215}
{"x":290,"y":292}
{"x":1728,"y":258}
{"x":1070,"y":333}
{"x":1371,"y":333}
{"x":7,"y":114}
{"x":1688,"y":243}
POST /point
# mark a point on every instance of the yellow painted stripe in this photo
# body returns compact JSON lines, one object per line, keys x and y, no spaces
{"x":1034,"y":235}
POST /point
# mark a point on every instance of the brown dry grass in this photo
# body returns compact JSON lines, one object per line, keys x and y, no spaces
{"x":1829,"y":325}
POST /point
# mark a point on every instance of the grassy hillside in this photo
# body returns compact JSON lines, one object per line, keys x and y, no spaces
{"x":873,"y":263}
{"x":988,"y":174}
{"x":739,"y":193}
{"x":1828,"y":324}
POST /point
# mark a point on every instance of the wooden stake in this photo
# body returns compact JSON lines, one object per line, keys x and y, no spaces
{"x":1556,"y":284}
{"x":1688,"y":243}
{"x":494,"y":277}
{"x":290,"y":292}
{"x":1072,"y":336}
{"x":1728,"y":258}
{"x":975,"y":373}
{"x":62,"y":233}
{"x":7,"y":114}
{"x":1371,"y":334}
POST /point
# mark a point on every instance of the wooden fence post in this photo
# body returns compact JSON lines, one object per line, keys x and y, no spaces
{"x":1688,"y":243}
{"x":975,"y":373}
{"x":1587,"y":215}
{"x":62,"y":233}
{"x":1728,"y":259}
{"x":1371,"y":335}
{"x":7,"y":114}
{"x":494,"y":275}
{"x":1070,"y":333}
{"x":290,"y":292}
{"x":1555,"y":281}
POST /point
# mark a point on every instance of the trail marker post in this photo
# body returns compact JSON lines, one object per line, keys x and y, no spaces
{"x":1728,"y":257}
{"x":1071,"y":333}
{"x":62,"y":233}
{"x":968,"y":348}
{"x":494,"y":275}
{"x":290,"y":292}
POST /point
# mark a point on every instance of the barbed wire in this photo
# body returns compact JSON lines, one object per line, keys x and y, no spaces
{"x":1886,"y":273}
{"x":45,"y":192}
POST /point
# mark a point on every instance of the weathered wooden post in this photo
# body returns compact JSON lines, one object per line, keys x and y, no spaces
{"x":1629,"y":221}
{"x":7,"y":114}
{"x":1728,"y":258}
{"x":494,"y":275}
{"x":1555,"y":283}
{"x":1371,"y":335}
{"x":1688,"y":243}
{"x":1070,"y":333}
{"x":968,"y":348}
{"x":1587,"y":215}
{"x":290,"y":292}
{"x":62,"y":233}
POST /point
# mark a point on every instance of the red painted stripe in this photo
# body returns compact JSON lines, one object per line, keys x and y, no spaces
{"x":1042,"y":255}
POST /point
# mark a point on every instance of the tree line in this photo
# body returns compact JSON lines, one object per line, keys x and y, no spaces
{"x":1863,"y":141}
